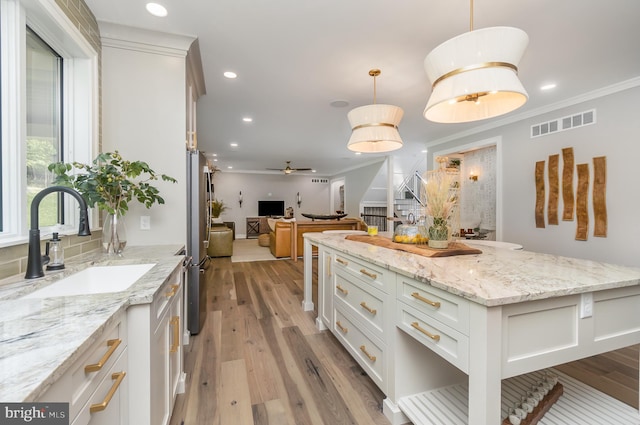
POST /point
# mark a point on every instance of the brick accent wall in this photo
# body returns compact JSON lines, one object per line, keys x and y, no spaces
{"x":13,"y":259}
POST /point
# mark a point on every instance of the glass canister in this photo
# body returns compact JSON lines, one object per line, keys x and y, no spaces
{"x":412,"y":232}
{"x":56,"y":253}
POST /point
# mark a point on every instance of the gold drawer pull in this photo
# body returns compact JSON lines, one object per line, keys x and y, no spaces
{"x":371,"y":275}
{"x":341,"y":261}
{"x":118,"y":377}
{"x":415,"y":325}
{"x":175,"y":322}
{"x":113,"y":345}
{"x":369,"y":309}
{"x":417,"y":296}
{"x":172,"y":292}
{"x":342,"y":328}
{"x":364,"y":350}
{"x":341,"y":289}
{"x":328,"y":263}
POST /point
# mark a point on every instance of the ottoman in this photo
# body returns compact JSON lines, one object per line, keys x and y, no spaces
{"x":263,"y":239}
{"x":220,"y":242}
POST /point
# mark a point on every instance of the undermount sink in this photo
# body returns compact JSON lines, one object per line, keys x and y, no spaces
{"x":94,"y":280}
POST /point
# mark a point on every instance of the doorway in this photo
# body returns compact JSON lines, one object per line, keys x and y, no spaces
{"x":481,"y":185}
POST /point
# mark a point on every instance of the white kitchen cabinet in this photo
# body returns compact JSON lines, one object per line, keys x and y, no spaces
{"x":325,"y":292}
{"x":96,"y":386}
{"x":155,"y":358}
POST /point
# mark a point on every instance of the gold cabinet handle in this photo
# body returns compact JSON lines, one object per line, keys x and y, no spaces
{"x":172,"y":292}
{"x":328,"y":263}
{"x":341,"y":289}
{"x":369,"y":309}
{"x":364,"y":350}
{"x":342,"y":328}
{"x":118,"y":377}
{"x":417,"y":296}
{"x":113,"y":345}
{"x":415,"y":325}
{"x":175,"y":322}
{"x":371,"y":275}
{"x":341,"y":261}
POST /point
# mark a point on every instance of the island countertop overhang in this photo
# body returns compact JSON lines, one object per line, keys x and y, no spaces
{"x":495,"y":277}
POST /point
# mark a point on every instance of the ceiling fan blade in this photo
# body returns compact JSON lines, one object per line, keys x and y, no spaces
{"x":302,"y":169}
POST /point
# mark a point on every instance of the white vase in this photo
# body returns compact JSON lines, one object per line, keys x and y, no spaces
{"x":438,"y":244}
{"x":216,"y":220}
{"x":114,"y":234}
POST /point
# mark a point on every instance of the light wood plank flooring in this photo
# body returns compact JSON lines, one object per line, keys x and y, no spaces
{"x":259,"y":359}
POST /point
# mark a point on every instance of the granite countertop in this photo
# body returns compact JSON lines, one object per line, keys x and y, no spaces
{"x":497,"y":276}
{"x":41,"y":338}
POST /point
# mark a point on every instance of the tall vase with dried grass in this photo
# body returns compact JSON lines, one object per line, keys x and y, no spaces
{"x":441,"y":194}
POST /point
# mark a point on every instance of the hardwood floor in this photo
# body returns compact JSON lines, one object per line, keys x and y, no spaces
{"x":259,"y":360}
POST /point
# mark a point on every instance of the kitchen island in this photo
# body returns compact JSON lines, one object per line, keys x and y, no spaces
{"x":421,"y":325}
{"x":42,"y":338}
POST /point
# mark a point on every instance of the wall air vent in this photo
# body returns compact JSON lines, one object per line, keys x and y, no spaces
{"x":564,"y":123}
{"x":320,"y":181}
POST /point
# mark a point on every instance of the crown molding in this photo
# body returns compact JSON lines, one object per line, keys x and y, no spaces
{"x":141,"y":40}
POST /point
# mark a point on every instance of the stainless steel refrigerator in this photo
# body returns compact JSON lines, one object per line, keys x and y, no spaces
{"x":198,"y":226}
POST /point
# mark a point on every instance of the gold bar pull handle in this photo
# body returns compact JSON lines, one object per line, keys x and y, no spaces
{"x":371,"y":275}
{"x":342,"y":328}
{"x":343,"y":262}
{"x":364,"y":350}
{"x":417,"y":296}
{"x":328,"y":263}
{"x":175,"y":322}
{"x":172,"y":292}
{"x":113,"y":345}
{"x":415,"y":325}
{"x":369,"y":309}
{"x":117,"y":377}
{"x":341,"y":289}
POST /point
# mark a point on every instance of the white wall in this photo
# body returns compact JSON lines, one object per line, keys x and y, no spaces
{"x":356,"y":184}
{"x":144,"y":117}
{"x":615,"y":135}
{"x":269,"y":187}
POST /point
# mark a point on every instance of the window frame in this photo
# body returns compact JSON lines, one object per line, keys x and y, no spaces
{"x":80,"y":93}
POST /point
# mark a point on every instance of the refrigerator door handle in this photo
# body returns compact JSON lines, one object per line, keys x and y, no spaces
{"x":188,"y":261}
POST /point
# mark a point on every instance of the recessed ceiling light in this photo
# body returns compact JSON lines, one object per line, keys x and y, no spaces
{"x":548,"y":86}
{"x":247,"y":119}
{"x":230,"y":74}
{"x":313,"y":171}
{"x":215,"y":160}
{"x":358,"y":153}
{"x":229,"y":167}
{"x":339,"y":103}
{"x":215,"y":154}
{"x":424,"y":151}
{"x":156,"y":9}
{"x":233,"y":145}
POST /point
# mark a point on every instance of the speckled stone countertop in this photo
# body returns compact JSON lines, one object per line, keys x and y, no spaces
{"x":41,"y":338}
{"x":497,"y":276}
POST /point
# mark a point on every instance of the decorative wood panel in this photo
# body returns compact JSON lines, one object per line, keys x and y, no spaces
{"x":600,"y":196}
{"x":540,"y":194}
{"x":582,"y":196}
{"x":567,"y":184}
{"x":554,"y":189}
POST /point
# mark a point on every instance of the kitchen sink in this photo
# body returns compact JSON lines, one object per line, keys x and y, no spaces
{"x":94,"y":280}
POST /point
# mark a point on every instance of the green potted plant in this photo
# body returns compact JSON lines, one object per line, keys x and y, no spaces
{"x":111,"y":183}
{"x":217,"y":208}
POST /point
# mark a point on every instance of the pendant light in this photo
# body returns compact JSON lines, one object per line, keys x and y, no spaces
{"x":375,"y":127}
{"x":474,"y":75}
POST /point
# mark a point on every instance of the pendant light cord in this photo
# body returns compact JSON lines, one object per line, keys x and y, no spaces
{"x":471,"y":16}
{"x":374,"y":73}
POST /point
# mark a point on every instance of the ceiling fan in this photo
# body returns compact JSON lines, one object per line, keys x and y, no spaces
{"x":288,"y":169}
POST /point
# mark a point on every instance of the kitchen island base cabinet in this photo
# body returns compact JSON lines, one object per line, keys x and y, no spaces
{"x":155,"y":359}
{"x":439,"y":345}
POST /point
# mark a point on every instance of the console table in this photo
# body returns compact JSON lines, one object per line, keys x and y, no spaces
{"x":422,"y":326}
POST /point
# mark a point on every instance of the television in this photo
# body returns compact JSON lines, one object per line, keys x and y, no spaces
{"x":270,"y":208}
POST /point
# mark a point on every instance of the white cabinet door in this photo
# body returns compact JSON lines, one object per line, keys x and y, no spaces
{"x":159,"y":362}
{"x":325,"y":287}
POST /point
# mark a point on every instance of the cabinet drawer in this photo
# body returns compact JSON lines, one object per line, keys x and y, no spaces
{"x":438,"y":337}
{"x":166,"y":293}
{"x":446,"y":308}
{"x":365,"y":348}
{"x":113,"y":391}
{"x":364,"y":303}
{"x":369,"y":273}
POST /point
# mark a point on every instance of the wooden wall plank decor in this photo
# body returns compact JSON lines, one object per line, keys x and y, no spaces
{"x":567,"y":184}
{"x":600,"y":196}
{"x":540,"y":194}
{"x":582,"y":196}
{"x":554,"y":189}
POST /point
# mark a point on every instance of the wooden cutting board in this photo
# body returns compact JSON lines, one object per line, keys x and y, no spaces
{"x":455,"y":248}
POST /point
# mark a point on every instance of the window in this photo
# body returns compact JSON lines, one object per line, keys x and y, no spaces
{"x":48,"y":112}
{"x":44,"y":118}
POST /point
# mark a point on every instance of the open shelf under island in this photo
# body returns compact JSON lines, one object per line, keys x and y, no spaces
{"x":425,"y":327}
